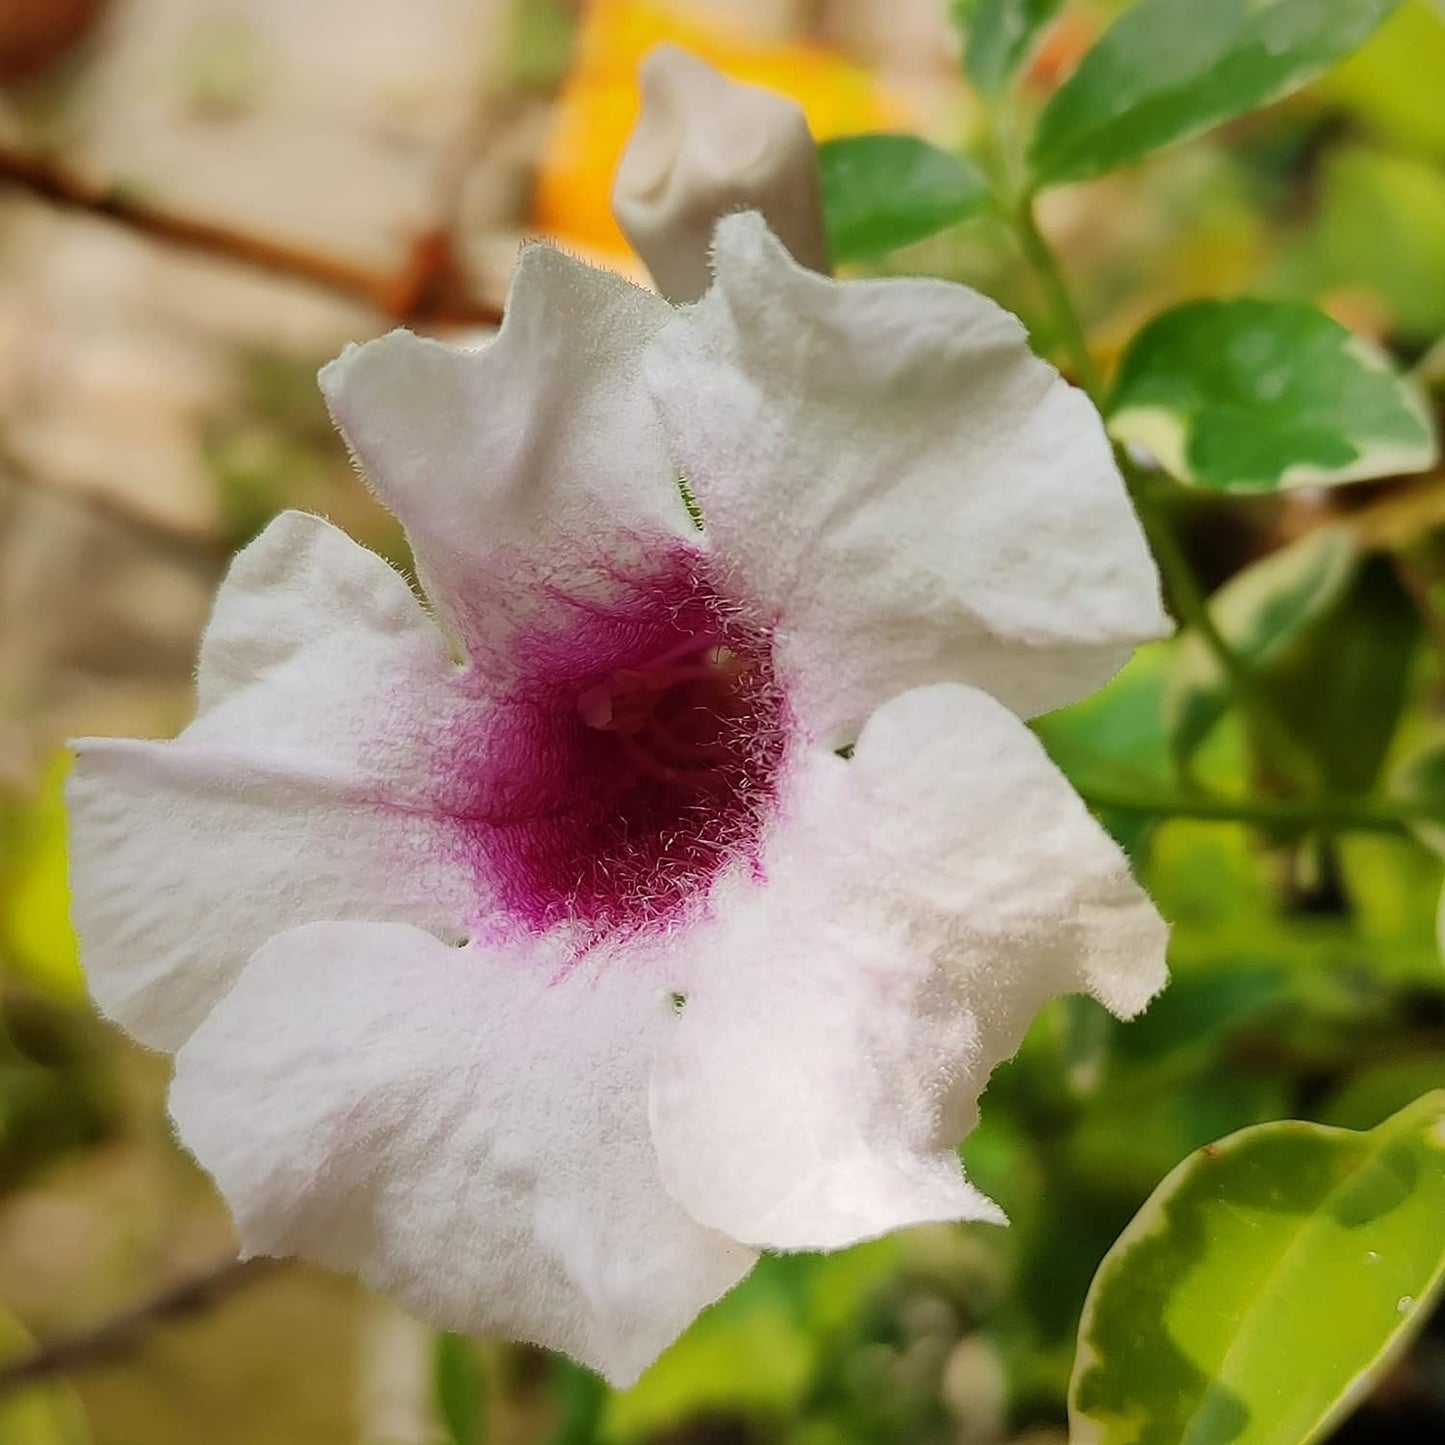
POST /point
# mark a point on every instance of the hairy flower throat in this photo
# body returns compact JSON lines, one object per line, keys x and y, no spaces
{"x":638,"y":759}
{"x":677,"y":717}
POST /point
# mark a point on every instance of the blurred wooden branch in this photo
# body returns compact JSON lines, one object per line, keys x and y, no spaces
{"x":428,"y":287}
{"x":122,"y":1334}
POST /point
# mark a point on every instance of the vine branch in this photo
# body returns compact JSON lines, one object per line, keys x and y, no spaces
{"x":122,"y":1334}
{"x":426,"y":288}
{"x":1354,"y":814}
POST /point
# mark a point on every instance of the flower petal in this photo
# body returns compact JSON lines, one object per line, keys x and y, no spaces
{"x":465,"y":1133}
{"x":922,"y":901}
{"x":304,"y":626}
{"x":535,"y":462}
{"x":914,"y":496}
{"x":282,"y":801}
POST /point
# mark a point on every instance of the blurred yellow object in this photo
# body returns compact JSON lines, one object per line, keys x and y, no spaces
{"x":35,"y":932}
{"x":1394,"y":84}
{"x":599,"y":104}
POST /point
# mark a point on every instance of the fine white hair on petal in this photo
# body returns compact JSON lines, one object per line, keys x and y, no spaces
{"x":534,"y":462}
{"x":304,"y":584}
{"x":889,"y":471}
{"x":317,"y":675}
{"x":465,"y":1132}
{"x":923,"y":901}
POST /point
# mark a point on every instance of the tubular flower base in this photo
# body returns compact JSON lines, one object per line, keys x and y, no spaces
{"x":686,"y":915}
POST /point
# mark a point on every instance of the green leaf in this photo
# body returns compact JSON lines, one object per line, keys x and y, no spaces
{"x":1267,"y":1283}
{"x":459,"y":1384}
{"x":1260,"y":396}
{"x":884,"y":191}
{"x":997,"y":35}
{"x":1264,"y":612}
{"x":1167,"y":69}
{"x":1115,"y":735}
{"x":1419,"y":778}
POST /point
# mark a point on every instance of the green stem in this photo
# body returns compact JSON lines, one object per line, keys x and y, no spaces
{"x":1374,"y":815}
{"x":1040,"y":256}
{"x":1292,"y":760}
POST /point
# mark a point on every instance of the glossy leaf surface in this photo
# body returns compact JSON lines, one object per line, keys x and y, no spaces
{"x":884,"y":191}
{"x":1167,"y":69}
{"x":1260,"y":396}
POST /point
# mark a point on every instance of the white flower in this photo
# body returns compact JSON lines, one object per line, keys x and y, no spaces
{"x":544,"y":988}
{"x":705,"y":145}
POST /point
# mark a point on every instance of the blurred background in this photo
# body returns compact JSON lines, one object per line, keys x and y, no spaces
{"x":200,"y":202}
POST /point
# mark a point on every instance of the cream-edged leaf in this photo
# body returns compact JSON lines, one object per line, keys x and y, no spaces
{"x":1261,"y":396}
{"x":1265,"y":1286}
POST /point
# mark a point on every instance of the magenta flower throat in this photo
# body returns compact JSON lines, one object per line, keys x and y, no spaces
{"x":636,"y":755}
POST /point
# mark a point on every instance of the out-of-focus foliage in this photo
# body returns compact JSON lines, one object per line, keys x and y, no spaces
{"x":1381,"y":227}
{"x":1270,"y":611}
{"x":1278,"y":708}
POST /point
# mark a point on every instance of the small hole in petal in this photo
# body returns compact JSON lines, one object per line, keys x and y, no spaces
{"x":690,"y":502}
{"x":678,"y":1002}
{"x":461,"y":940}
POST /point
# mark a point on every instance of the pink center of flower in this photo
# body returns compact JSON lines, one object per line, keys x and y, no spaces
{"x":637,"y":757}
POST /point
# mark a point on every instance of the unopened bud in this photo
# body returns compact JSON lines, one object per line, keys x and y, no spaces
{"x":704,"y":146}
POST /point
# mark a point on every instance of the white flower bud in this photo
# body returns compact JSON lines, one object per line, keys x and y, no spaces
{"x":704,"y":146}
